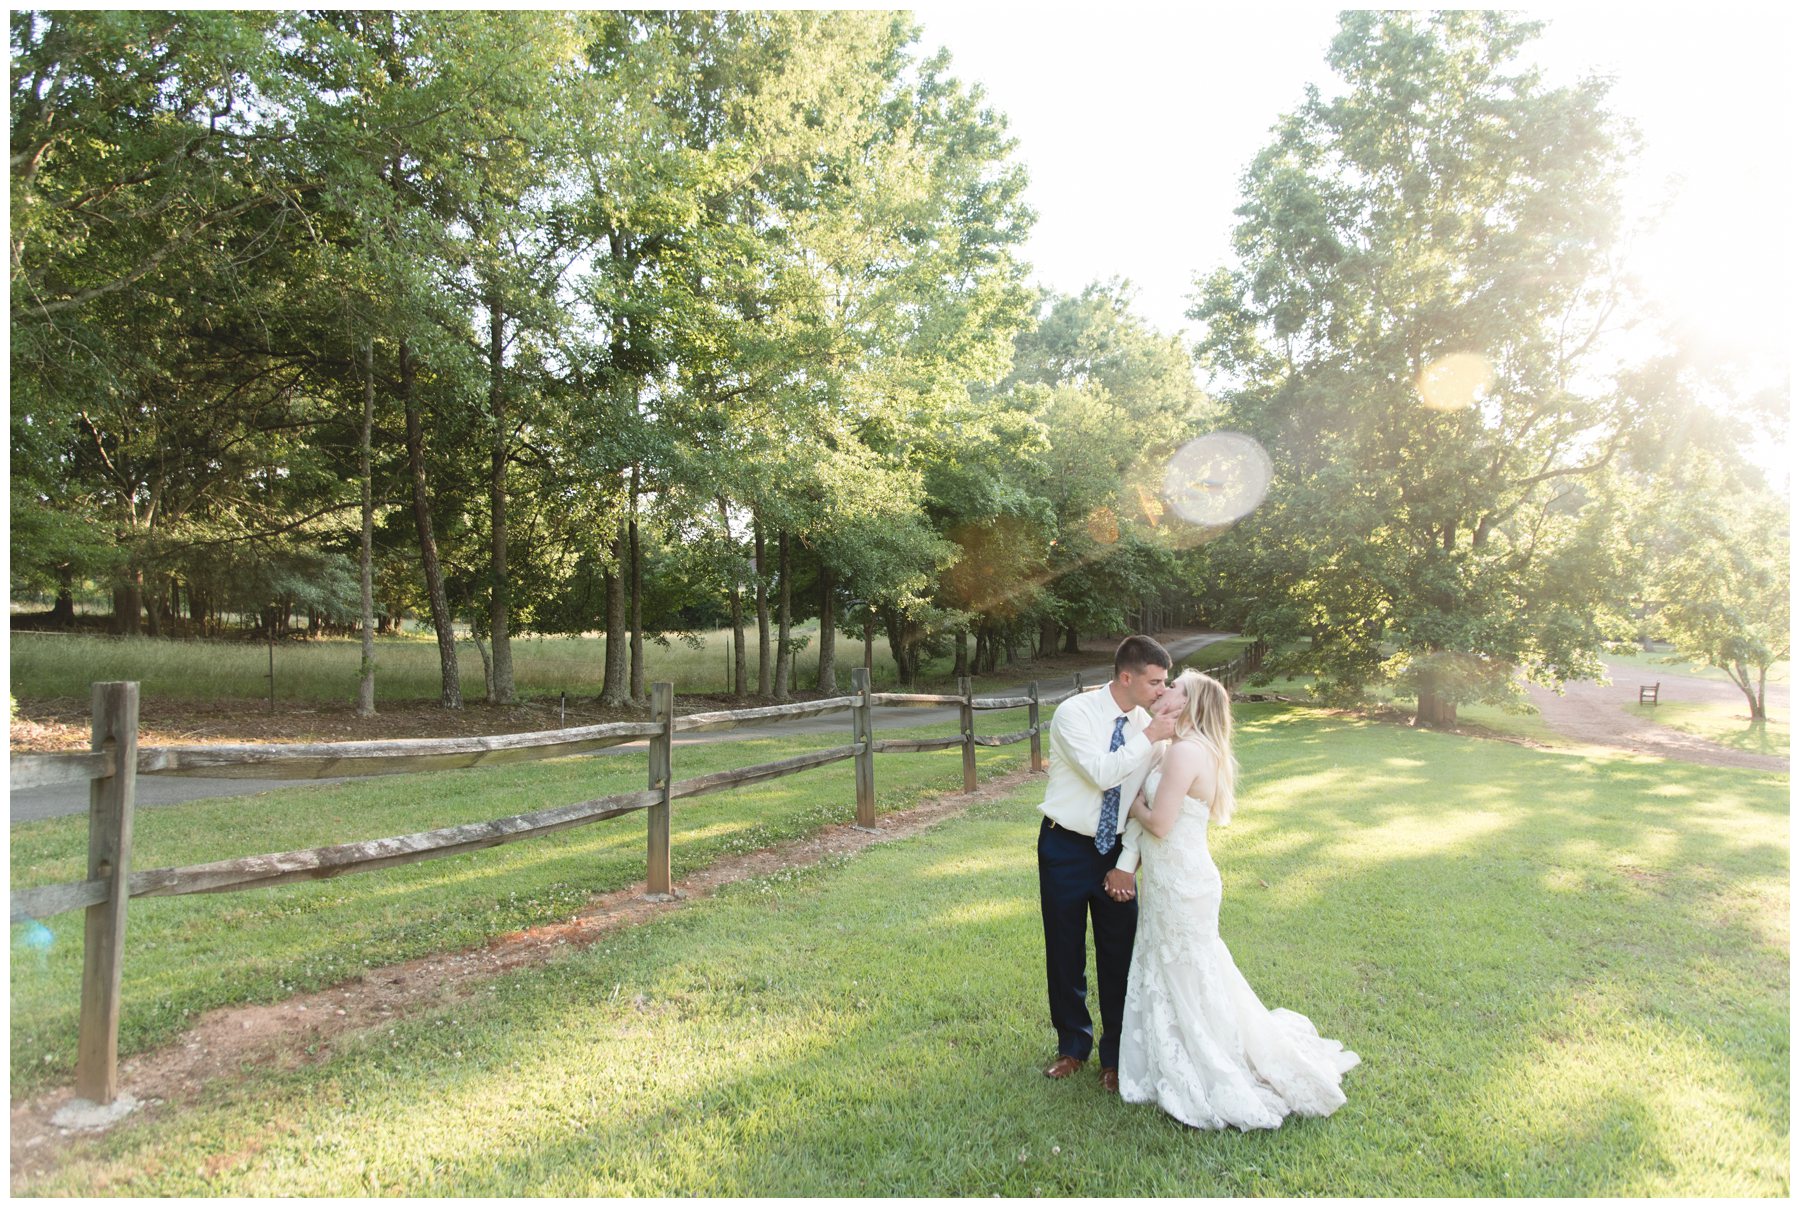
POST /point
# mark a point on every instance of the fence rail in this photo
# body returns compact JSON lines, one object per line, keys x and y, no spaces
{"x":112,"y":766}
{"x":41,"y":771}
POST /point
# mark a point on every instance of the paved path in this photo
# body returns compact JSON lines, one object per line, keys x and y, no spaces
{"x":1602,"y":714}
{"x":59,"y":800}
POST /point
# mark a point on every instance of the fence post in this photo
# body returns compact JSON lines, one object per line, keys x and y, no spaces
{"x":965,"y":688}
{"x":659,"y":879}
{"x":863,"y":733}
{"x":1079,"y":686}
{"x":109,"y":859}
{"x":1037,"y":745}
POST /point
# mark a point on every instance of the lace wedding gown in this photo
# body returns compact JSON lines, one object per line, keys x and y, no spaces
{"x":1196,"y":1040}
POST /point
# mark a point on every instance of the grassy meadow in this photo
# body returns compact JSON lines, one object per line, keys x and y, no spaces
{"x":1727,"y":724}
{"x":1650,"y":663}
{"x":406,"y":667}
{"x":187,"y":954}
{"x":1566,"y":973}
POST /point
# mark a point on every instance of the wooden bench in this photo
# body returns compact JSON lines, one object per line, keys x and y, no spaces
{"x":1647,"y":693}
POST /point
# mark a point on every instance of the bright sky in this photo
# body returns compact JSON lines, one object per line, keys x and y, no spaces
{"x":1136,"y":122}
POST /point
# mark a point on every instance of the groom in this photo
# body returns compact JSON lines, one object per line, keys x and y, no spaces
{"x":1099,"y":741}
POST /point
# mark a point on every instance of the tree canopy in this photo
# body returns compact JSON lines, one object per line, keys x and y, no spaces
{"x":646,"y":321}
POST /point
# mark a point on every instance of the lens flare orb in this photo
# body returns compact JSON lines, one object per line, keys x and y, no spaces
{"x":1103,"y":525}
{"x":1456,"y":382}
{"x":1217,"y":478}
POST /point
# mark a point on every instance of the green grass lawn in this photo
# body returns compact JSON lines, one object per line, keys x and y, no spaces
{"x":406,"y":667}
{"x":1526,"y":723}
{"x":1651,"y":663}
{"x":1567,"y":974}
{"x":186,"y":954}
{"x":1216,"y":654}
{"x":1727,"y":724}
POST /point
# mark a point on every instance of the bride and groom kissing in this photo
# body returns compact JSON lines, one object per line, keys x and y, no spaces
{"x":1139,"y":769}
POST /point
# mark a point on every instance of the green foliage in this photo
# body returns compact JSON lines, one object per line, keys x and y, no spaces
{"x":1424,"y":266}
{"x":711,"y":253}
{"x":1718,"y":577}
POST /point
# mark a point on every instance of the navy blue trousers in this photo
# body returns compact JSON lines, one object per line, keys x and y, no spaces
{"x":1070,"y":889}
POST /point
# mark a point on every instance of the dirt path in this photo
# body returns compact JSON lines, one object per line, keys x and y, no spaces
{"x":307,"y":1028}
{"x":1593,"y":713}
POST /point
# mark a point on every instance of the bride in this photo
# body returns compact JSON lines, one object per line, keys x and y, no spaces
{"x":1196,"y":1040}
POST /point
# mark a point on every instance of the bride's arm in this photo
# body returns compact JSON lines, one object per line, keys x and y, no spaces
{"x":1180,"y":767}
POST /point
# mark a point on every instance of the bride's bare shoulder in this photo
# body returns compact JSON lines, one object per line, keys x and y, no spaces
{"x":1184,"y":752}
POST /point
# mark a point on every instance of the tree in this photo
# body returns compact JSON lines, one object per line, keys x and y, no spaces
{"x":1414,"y":330}
{"x":1114,"y":400}
{"x":1717,"y":585}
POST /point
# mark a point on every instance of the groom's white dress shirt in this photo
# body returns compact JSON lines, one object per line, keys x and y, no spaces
{"x":1081,"y":768}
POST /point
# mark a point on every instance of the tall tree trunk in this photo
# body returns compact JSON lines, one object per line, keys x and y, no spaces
{"x":784,"y":647}
{"x":1071,"y":640}
{"x":365,"y":688}
{"x":1739,"y":673}
{"x":614,"y":691}
{"x":128,"y":604}
{"x":901,"y":642}
{"x":739,"y":680}
{"x":762,"y":611}
{"x":487,"y":667}
{"x":500,"y":691}
{"x":1434,"y":708}
{"x":449,"y":673}
{"x":636,"y":571}
{"x":962,"y":651}
{"x":1046,"y":637}
{"x":63,"y":612}
{"x":827,"y":681}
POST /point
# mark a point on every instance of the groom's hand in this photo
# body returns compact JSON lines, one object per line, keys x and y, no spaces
{"x":1121,"y":886}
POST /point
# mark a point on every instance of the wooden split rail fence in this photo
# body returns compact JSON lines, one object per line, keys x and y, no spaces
{"x":112,"y":767}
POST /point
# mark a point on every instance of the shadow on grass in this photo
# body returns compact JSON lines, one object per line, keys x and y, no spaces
{"x":1566,"y":976}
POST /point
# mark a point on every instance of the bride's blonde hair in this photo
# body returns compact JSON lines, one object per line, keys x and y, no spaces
{"x":1207,"y":716}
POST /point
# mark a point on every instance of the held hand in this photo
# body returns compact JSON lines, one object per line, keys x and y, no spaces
{"x":1162,"y":725}
{"x":1121,"y":886}
{"x":1163,"y":715}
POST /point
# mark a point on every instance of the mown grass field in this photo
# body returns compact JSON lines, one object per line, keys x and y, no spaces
{"x":190,"y":953}
{"x":1667,"y":663}
{"x":1566,"y":973}
{"x":1727,"y":724}
{"x":406,"y":667}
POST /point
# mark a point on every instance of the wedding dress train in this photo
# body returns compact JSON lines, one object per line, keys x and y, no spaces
{"x":1196,"y":1040}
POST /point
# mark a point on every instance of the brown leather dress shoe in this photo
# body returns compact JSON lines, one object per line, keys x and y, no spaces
{"x":1062,"y":1067}
{"x":1109,"y":1079}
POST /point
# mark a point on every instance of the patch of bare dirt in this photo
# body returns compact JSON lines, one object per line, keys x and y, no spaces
{"x":1598,"y":714}
{"x":308,"y":1028}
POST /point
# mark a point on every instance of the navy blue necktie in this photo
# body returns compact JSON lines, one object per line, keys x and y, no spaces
{"x":1109,"y":800}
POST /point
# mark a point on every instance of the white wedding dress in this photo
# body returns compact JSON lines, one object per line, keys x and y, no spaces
{"x":1196,"y":1040}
